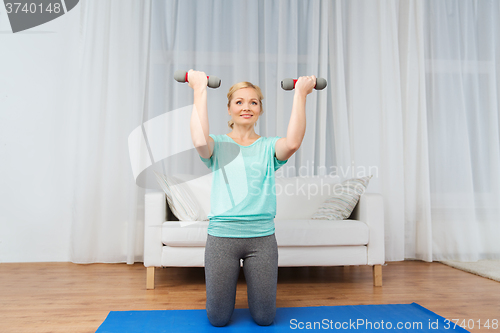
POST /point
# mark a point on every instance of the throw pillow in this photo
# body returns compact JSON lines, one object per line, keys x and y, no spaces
{"x":180,"y":199}
{"x":341,"y":205}
{"x":200,"y":188}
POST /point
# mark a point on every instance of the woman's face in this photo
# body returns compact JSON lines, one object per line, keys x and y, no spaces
{"x":244,"y":107}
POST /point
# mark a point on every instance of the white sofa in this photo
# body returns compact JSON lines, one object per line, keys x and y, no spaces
{"x":302,"y":241}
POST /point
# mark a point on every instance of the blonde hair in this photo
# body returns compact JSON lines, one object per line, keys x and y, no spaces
{"x":241,"y":85}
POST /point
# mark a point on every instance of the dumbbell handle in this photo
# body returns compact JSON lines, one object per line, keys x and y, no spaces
{"x":182,"y":76}
{"x":289,"y":84}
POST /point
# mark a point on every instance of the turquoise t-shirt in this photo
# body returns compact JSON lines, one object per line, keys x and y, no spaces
{"x":243,"y":195}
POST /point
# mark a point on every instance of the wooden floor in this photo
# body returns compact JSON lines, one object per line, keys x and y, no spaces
{"x":65,"y":297}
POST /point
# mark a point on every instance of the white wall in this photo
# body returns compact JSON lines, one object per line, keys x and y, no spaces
{"x":36,"y":78}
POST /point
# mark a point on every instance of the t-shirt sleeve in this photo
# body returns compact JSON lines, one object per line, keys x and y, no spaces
{"x":277,"y":163}
{"x":209,"y":162}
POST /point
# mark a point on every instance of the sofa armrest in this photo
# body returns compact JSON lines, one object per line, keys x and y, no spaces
{"x":370,"y":209}
{"x":155,"y":214}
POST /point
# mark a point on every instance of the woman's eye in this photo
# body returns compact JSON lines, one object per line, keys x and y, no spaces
{"x":254,"y":103}
{"x":239,"y":102}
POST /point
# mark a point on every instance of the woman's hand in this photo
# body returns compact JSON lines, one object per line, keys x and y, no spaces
{"x":305,"y":85}
{"x":197,"y":80}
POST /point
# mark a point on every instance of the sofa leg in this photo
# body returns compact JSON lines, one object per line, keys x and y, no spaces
{"x":377,"y":275}
{"x":150,"y":279}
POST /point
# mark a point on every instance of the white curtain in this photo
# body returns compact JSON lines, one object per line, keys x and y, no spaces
{"x":108,"y":206}
{"x":463,"y":88}
{"x":412,"y":98}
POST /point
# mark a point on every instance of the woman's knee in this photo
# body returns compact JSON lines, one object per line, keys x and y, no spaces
{"x":218,"y":318}
{"x":264,"y":318}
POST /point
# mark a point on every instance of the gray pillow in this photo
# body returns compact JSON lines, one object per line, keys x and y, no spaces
{"x":341,"y":205}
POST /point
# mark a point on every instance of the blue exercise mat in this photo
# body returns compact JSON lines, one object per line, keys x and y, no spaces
{"x":359,"y":318}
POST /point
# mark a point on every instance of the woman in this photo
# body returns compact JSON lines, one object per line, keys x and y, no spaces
{"x":243,"y":200}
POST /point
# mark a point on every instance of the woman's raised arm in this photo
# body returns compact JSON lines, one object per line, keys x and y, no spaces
{"x":199,"y":117}
{"x":286,"y":147}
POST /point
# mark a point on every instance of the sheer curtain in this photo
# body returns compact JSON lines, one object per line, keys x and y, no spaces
{"x":412,"y":98}
{"x":462,"y":86}
{"x":110,"y":95}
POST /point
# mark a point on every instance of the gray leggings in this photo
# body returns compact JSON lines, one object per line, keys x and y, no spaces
{"x":222,"y":267}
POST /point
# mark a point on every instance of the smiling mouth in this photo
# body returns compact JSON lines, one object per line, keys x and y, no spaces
{"x":246,"y":115}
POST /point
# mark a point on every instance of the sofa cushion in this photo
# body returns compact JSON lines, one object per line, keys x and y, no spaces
{"x":184,"y":233}
{"x":321,"y":233}
{"x":300,"y":197}
{"x":288,"y":233}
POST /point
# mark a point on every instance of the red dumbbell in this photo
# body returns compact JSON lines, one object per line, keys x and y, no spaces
{"x":182,"y":76}
{"x":289,"y":84}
